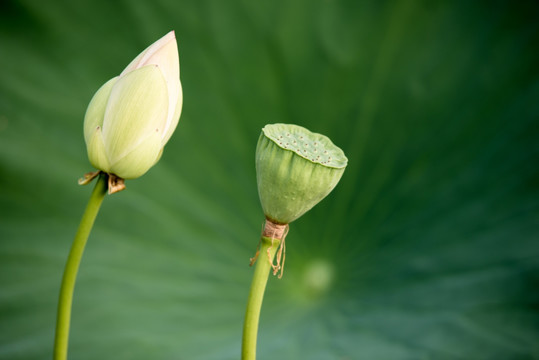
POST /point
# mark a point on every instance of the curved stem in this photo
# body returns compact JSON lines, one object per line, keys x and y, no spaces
{"x":256,"y":295}
{"x":72,"y":267}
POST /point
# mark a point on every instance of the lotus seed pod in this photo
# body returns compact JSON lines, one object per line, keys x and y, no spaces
{"x":132,"y":116}
{"x":295,"y":170}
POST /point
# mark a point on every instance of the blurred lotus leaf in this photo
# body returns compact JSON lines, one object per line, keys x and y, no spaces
{"x":427,"y":248}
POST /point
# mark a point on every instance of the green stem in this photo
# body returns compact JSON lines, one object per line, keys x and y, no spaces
{"x":256,"y":295}
{"x":72,"y":266}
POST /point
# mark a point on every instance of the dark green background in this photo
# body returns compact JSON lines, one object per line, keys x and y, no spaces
{"x":427,"y":249}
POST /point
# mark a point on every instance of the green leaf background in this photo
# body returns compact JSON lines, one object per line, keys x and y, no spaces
{"x":427,"y":249}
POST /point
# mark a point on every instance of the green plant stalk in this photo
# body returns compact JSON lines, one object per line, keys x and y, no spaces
{"x":72,"y":266}
{"x":256,"y":295}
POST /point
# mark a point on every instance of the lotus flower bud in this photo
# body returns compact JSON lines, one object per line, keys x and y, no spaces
{"x":132,"y":116}
{"x":295,"y":170}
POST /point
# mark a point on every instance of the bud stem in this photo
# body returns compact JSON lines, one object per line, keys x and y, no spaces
{"x":72,"y":266}
{"x":256,"y":295}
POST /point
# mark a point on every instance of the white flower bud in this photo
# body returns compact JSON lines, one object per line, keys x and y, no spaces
{"x":132,"y":116}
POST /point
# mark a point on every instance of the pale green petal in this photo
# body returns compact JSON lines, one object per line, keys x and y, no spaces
{"x":96,"y":151}
{"x":137,"y":108}
{"x":140,"y":159}
{"x":164,"y":53}
{"x":96,"y":109}
{"x":147,"y":56}
{"x":167,"y":60}
{"x":173,"y":122}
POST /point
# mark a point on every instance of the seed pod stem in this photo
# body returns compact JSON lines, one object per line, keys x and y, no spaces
{"x":274,"y":232}
{"x":269,"y":246}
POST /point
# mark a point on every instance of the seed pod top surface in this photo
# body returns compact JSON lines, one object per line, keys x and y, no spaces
{"x":310,"y":146}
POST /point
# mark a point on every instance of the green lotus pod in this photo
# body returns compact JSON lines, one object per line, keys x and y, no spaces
{"x":132,"y":116}
{"x":295,"y":170}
